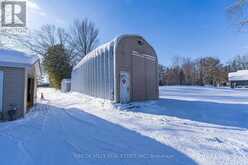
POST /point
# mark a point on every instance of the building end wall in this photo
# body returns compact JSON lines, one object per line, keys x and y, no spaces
{"x":134,"y":54}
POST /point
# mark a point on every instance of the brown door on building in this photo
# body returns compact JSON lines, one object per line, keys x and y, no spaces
{"x":30,"y":93}
{"x":138,"y":78}
{"x":144,"y":78}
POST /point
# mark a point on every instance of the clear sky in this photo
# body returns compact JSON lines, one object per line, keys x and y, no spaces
{"x":192,"y":28}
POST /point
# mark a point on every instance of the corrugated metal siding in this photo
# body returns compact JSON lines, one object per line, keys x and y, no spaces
{"x":94,"y":75}
{"x":98,"y":74}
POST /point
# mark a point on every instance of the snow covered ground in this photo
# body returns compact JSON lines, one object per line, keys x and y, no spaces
{"x":187,"y":125}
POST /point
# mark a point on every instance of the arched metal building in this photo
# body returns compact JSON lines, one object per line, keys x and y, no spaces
{"x":122,"y":70}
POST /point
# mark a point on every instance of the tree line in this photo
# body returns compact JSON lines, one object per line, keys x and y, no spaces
{"x":208,"y":70}
{"x":201,"y":71}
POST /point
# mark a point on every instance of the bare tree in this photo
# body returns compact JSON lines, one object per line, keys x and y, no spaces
{"x":202,"y":71}
{"x":211,"y":71}
{"x":84,"y":37}
{"x":238,"y":63}
{"x":239,"y":13}
{"x":52,"y":44}
{"x":187,"y":67}
{"x":162,"y":71}
{"x":7,"y":40}
{"x":1,"y":40}
{"x":40,"y":41}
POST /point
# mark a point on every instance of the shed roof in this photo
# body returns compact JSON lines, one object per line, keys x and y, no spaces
{"x":104,"y":47}
{"x":13,"y":58}
{"x":241,"y":75}
{"x":93,"y":53}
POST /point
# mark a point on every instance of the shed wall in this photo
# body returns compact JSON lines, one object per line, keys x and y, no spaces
{"x":136,"y":56}
{"x":95,"y":74}
{"x":14,"y":89}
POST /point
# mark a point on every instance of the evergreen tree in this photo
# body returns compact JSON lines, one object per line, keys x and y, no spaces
{"x":57,"y":64}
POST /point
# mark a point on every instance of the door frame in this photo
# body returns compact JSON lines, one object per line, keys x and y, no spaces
{"x":2,"y":93}
{"x":30,"y":92}
{"x":126,"y":75}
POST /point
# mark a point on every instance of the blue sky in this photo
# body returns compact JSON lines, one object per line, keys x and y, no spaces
{"x":192,"y":28}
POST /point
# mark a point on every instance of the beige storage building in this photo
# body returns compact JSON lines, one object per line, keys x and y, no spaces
{"x":123,"y":70}
{"x":18,"y":82}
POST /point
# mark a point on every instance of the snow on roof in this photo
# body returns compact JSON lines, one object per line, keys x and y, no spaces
{"x":101,"y":48}
{"x":15,"y":58}
{"x":240,"y":75}
{"x":94,"y":53}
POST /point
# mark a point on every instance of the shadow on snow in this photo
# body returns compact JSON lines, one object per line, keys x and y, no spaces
{"x":235,"y":115}
{"x":51,"y":135}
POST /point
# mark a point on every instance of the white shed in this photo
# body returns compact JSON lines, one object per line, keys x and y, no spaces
{"x":18,"y":82}
{"x":239,"y":78}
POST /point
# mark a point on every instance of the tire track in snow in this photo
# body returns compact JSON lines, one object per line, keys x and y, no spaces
{"x":20,"y":144}
{"x":76,"y":151}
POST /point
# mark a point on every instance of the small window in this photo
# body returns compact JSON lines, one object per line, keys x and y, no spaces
{"x":141,"y":43}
